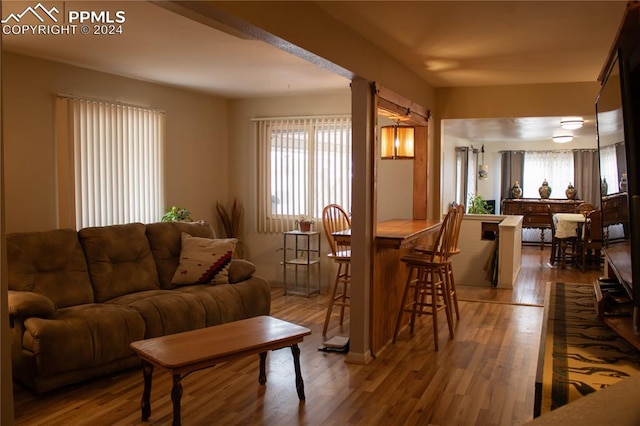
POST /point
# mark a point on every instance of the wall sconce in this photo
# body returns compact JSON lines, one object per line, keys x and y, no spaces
{"x":396,"y":142}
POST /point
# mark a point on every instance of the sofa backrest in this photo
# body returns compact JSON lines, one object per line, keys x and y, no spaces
{"x":119,"y":260}
{"x":165,"y":241}
{"x":50,"y":263}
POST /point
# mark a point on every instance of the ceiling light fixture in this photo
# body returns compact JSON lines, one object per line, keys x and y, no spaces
{"x":562,"y":138}
{"x":572,"y":123}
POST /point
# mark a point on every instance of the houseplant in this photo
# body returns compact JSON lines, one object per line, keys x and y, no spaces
{"x":478,"y":205}
{"x":177,"y":214}
{"x":304,"y":223}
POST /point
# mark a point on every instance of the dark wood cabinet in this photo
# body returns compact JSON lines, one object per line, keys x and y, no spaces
{"x":535,"y":211}
{"x":615,"y":210}
{"x":617,"y":107}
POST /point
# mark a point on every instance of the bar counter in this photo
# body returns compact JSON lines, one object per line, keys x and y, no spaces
{"x":394,"y":239}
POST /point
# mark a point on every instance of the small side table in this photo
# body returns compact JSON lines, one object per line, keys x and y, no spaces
{"x":301,"y":250}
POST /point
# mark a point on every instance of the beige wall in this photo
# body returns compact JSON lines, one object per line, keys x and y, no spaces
{"x":534,"y":100}
{"x":196,"y":155}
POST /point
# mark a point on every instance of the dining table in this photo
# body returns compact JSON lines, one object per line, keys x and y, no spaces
{"x":393,"y":239}
{"x":568,"y":224}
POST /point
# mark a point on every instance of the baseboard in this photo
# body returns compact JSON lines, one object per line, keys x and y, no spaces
{"x":358,"y":358}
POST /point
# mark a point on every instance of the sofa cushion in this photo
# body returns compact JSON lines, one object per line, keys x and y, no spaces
{"x":119,"y":259}
{"x":204,"y":260}
{"x":232,"y":302}
{"x":165,"y":311}
{"x":50,"y":263}
{"x":165,"y":240}
{"x":82,"y":336}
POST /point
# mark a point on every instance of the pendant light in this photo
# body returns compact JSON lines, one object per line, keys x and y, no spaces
{"x":483,"y":171}
{"x":396,"y":142}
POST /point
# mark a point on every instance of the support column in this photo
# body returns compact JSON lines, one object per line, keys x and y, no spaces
{"x":363,"y":112}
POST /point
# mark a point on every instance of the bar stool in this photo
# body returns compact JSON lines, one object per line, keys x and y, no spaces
{"x":455,"y":249}
{"x":428,"y":279}
{"x":335,"y":218}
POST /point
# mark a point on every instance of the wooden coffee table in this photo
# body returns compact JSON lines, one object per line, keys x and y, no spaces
{"x":183,"y":353}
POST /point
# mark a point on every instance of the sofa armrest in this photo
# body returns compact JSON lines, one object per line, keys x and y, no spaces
{"x":240,"y":270}
{"x":29,"y":304}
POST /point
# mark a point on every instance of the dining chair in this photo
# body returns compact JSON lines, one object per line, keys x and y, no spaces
{"x":591,"y":239}
{"x":559,"y":244}
{"x":428,"y":280}
{"x":585,"y":208}
{"x":335,"y":218}
{"x":455,"y":249}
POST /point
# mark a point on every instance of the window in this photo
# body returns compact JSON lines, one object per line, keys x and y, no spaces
{"x":109,"y":163}
{"x":609,"y":167}
{"x":304,"y":164}
{"x":554,"y":166}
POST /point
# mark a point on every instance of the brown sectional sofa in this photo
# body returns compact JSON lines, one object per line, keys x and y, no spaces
{"x":78,"y":299}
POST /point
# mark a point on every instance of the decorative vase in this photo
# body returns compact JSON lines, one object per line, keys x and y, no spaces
{"x":516,"y":191}
{"x":571,"y":192}
{"x":604,"y":186}
{"x":545,"y":190}
{"x":623,"y":183}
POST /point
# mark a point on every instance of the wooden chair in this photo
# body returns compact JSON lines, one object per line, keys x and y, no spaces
{"x":428,"y":279}
{"x":591,"y":239}
{"x":559,"y":245}
{"x":585,"y":208}
{"x":455,"y":249}
{"x":335,"y":218}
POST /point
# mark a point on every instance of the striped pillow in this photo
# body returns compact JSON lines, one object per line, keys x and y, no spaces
{"x":204,"y":260}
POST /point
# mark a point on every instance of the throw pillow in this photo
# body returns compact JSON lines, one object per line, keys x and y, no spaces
{"x":240,"y":270}
{"x":204,"y":260}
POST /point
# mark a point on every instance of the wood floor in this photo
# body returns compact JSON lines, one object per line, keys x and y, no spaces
{"x":485,"y":376}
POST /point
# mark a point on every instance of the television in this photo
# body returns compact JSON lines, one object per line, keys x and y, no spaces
{"x":617,"y":120}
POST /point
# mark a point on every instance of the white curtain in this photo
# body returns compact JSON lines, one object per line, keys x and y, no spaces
{"x":110,"y":163}
{"x":466,"y":174}
{"x":554,"y":166}
{"x":304,"y":164}
{"x":609,"y":167}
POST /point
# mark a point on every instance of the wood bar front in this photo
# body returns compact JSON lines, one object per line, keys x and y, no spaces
{"x":394,"y":238}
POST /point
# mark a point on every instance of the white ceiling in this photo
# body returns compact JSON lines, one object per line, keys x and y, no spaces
{"x":447,"y":43}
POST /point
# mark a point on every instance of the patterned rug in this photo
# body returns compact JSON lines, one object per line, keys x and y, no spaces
{"x":581,"y":355}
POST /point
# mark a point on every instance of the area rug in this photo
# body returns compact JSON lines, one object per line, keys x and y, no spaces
{"x":579,"y":354}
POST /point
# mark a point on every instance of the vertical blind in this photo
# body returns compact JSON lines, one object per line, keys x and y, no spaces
{"x":304,"y":164}
{"x":114,"y":153}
